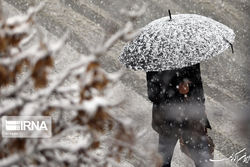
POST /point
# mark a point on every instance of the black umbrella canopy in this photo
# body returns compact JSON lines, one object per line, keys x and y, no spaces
{"x":176,"y":42}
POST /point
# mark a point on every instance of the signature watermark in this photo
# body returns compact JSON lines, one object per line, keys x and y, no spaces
{"x":240,"y":156}
{"x":26,"y":126}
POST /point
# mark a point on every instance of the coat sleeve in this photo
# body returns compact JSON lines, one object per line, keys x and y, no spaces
{"x":156,"y":93}
{"x":197,"y":86}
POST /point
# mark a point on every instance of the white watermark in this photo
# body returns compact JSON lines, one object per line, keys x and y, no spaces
{"x":26,"y":126}
{"x":240,"y":156}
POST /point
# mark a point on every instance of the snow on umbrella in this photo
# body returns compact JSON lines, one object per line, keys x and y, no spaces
{"x":175,"y":42}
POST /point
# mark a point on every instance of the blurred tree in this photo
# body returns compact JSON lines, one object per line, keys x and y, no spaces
{"x":28,"y":86}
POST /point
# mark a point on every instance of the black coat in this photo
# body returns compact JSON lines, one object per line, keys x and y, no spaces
{"x":171,"y":108}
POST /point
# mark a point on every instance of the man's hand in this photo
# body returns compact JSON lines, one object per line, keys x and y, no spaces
{"x":184,"y":86}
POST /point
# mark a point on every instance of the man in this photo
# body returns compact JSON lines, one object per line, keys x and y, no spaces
{"x":179,"y":113}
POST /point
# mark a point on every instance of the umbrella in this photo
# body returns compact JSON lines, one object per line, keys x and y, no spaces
{"x":175,"y":42}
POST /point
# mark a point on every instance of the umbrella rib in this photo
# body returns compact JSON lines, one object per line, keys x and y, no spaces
{"x":231,"y":47}
{"x":229,"y":44}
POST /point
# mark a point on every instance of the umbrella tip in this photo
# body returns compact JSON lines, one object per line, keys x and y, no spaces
{"x":229,"y":44}
{"x":169,"y":13}
{"x":232,"y":47}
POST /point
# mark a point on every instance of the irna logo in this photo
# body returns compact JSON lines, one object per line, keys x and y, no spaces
{"x":26,"y":126}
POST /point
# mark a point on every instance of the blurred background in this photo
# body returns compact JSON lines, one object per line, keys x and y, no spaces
{"x":226,"y":78}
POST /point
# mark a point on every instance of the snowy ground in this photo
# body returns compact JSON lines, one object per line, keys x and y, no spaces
{"x":219,"y":103}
